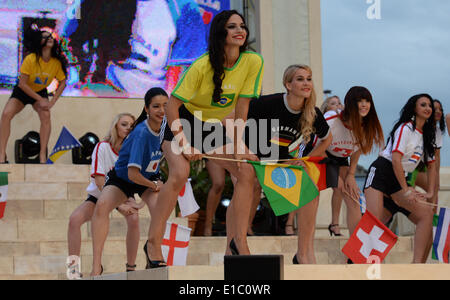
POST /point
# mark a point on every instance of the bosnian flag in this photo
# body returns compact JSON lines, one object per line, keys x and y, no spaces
{"x":175,"y":244}
{"x":370,"y":238}
{"x":441,"y":243}
{"x":65,"y":143}
{"x":3,"y":192}
{"x":186,"y":200}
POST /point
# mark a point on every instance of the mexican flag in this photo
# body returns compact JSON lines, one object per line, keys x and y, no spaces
{"x":286,"y":187}
{"x":3,"y":192}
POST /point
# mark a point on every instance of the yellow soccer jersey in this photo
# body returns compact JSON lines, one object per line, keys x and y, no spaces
{"x":196,"y":86}
{"x":41,"y":75}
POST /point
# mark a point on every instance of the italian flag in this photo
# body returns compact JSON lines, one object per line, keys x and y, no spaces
{"x":3,"y":192}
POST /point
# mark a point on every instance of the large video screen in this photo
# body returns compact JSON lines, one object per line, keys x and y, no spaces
{"x":115,"y":48}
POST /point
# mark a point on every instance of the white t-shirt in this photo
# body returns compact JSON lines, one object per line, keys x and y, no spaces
{"x":438,"y":138}
{"x":409,"y":143}
{"x":103,"y":159}
{"x":344,"y":142}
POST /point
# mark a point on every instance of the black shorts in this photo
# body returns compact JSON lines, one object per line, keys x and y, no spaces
{"x":381,"y":177}
{"x":393,"y":208}
{"x":201,"y":135}
{"x":20,"y":95}
{"x":92,"y":199}
{"x":340,"y":161}
{"x":129,"y":189}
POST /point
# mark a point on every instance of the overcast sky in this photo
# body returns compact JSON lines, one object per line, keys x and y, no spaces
{"x":405,"y":52}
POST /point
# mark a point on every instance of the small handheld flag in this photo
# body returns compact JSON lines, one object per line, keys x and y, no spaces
{"x":323,"y":171}
{"x":175,"y":244}
{"x":3,"y":192}
{"x":66,"y":142}
{"x":186,"y":200}
{"x":287,"y":187}
{"x":441,"y":243}
{"x":370,"y":238}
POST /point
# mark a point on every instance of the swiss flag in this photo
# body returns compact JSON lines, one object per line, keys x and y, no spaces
{"x":370,"y":238}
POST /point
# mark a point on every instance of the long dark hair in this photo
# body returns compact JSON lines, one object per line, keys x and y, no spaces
{"x":442,"y":120}
{"x":367,"y":131}
{"x":408,"y":114}
{"x":32,"y":41}
{"x":216,"y":48}
{"x":151,"y":93}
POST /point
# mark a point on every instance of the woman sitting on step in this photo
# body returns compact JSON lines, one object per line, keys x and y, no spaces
{"x":136,"y":171}
{"x":411,"y":140}
{"x":104,"y":157}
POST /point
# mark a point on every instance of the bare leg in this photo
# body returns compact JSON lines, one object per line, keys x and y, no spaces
{"x":336,"y":203}
{"x":422,"y":216}
{"x":110,"y":198}
{"x":133,"y":237}
{"x":256,"y":200}
{"x":80,"y":216}
{"x":167,"y":199}
{"x":353,"y":208}
{"x":289,"y":227}
{"x":241,"y":204}
{"x":44,"y":132}
{"x":217,"y":175}
{"x":11,"y":109}
{"x":306,"y":220}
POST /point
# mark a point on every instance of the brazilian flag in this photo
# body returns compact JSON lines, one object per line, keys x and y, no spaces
{"x":287,"y":187}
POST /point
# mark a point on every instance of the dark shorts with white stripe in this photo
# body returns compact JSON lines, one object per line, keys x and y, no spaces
{"x":381,"y":177}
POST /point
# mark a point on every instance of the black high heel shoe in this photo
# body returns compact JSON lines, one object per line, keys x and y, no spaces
{"x":233,"y":248}
{"x":130,"y":268}
{"x":295,"y":260}
{"x":332,"y":232}
{"x":153,"y":264}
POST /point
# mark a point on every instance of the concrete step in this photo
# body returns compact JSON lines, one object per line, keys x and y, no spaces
{"x":48,"y":258}
{"x":297,"y":272}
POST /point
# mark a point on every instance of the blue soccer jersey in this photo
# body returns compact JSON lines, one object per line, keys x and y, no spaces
{"x":141,"y":149}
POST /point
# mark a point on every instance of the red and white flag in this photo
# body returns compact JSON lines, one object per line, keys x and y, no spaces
{"x":175,"y":244}
{"x":186,"y":200}
{"x":370,"y":238}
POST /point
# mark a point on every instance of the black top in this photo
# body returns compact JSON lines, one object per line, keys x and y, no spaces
{"x":277,"y":127}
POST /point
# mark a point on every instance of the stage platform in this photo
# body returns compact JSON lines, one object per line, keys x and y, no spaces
{"x":297,"y":272}
{"x":33,"y":239}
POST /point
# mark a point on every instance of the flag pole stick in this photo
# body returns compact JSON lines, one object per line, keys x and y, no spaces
{"x":244,"y":161}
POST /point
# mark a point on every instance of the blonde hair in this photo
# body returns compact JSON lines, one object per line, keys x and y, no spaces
{"x":112,"y":135}
{"x":324,"y":107}
{"x":308,"y":116}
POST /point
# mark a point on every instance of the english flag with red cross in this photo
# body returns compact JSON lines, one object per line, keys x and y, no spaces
{"x":370,"y":238}
{"x":175,"y":244}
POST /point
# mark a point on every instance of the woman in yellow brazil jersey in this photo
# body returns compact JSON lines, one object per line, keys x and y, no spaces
{"x":44,"y":63}
{"x":221,"y":81}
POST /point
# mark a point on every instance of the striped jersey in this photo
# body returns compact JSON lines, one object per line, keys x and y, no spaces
{"x":409,"y":143}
